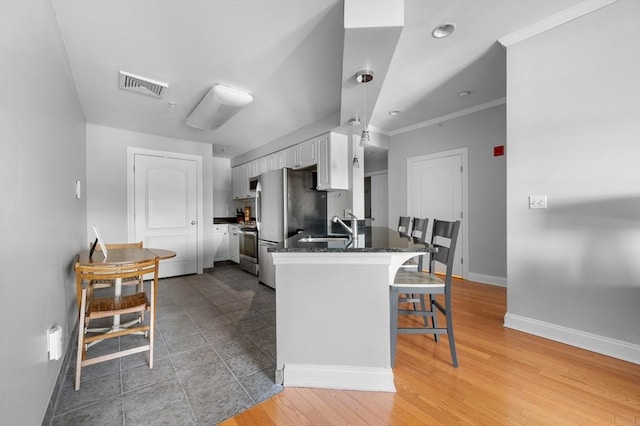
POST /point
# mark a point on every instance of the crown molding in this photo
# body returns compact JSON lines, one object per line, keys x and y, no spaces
{"x":451,"y":116}
{"x":553,"y":21}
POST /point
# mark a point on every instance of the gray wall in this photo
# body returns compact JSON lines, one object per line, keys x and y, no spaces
{"x":574,"y":135}
{"x":42,"y":224}
{"x":479,"y":132}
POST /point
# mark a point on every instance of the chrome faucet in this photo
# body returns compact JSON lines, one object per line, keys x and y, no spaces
{"x":353,"y":230}
{"x":354,"y":225}
{"x":336,"y":219}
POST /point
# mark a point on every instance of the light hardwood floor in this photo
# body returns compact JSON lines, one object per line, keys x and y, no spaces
{"x":505,"y":378}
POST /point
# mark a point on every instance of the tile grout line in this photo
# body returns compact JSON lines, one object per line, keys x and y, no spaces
{"x":175,"y":371}
{"x":221,"y":359}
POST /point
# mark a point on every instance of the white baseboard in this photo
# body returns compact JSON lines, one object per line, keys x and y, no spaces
{"x":592,"y":342}
{"x":487,"y":279}
{"x":339,"y":377}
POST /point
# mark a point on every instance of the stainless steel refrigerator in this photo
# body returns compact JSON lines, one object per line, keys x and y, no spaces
{"x":287,"y":203}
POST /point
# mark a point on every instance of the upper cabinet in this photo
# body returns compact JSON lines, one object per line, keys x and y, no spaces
{"x":257,"y":167}
{"x":333,"y":162}
{"x":240,"y":176}
{"x":290,"y":157}
{"x":275,"y":161}
{"x":308,"y":153}
{"x":304,"y":154}
{"x":330,"y":152}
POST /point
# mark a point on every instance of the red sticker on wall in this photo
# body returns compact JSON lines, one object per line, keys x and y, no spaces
{"x":498,"y":150}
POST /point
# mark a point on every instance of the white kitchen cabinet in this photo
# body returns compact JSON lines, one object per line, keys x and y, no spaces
{"x":260,"y":166}
{"x":256,"y":167}
{"x":308,"y":153}
{"x":220,"y":242}
{"x":290,"y":157}
{"x":275,"y":161}
{"x":240,"y":181}
{"x":302,"y":155}
{"x":234,"y":243}
{"x":250,"y":169}
{"x":333,"y":162}
{"x":237,"y":176}
{"x":330,"y":152}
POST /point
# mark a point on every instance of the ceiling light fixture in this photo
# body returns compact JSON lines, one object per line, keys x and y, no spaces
{"x":355,"y":121}
{"x":464,"y":93}
{"x":364,"y":77}
{"x":216,"y":107}
{"x":442,"y":31}
{"x":394,"y":113}
{"x":355,"y":162}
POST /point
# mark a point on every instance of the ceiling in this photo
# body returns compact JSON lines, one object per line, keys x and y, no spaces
{"x":291,"y":55}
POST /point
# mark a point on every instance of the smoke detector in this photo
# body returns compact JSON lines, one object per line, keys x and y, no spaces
{"x":141,"y":85}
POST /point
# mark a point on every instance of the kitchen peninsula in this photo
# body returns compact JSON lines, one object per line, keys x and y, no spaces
{"x":332,"y":309}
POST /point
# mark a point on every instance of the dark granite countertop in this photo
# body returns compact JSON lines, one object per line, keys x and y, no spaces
{"x":232,"y":221}
{"x":376,"y":239}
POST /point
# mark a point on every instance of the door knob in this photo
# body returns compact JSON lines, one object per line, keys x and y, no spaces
{"x":193,"y":222}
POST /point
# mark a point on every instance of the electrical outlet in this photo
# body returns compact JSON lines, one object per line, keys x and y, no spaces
{"x":54,"y":342}
{"x":537,"y":201}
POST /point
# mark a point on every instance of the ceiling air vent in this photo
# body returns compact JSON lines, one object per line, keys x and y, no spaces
{"x":141,"y":85}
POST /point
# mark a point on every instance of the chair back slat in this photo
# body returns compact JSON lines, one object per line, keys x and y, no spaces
{"x":116,"y":246}
{"x":444,"y":254}
{"x":404,"y":225}
{"x":420,"y":228}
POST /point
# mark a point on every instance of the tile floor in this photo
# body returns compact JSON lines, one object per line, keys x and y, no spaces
{"x":214,"y":357}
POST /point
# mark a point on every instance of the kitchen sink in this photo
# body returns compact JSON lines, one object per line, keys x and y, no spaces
{"x":324,"y":239}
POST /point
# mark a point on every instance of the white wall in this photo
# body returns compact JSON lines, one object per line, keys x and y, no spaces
{"x":107,"y":181}
{"x":222,"y":189}
{"x":42,"y":224}
{"x":480,"y":132}
{"x":353,"y":199}
{"x":574,"y":135}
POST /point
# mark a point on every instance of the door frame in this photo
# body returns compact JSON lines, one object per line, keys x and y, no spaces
{"x":131,"y":153}
{"x":375,"y":173}
{"x":464,"y":220}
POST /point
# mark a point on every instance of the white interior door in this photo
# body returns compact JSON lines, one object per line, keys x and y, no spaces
{"x":380,"y":200}
{"x":165,"y":210}
{"x":435,"y":191}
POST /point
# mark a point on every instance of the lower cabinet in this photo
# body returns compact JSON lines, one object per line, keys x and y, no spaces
{"x":220,"y":243}
{"x":234,"y":243}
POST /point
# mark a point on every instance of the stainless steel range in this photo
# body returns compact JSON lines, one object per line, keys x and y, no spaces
{"x":248,"y":242}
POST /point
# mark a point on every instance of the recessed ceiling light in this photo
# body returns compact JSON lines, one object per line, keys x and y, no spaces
{"x":442,"y":31}
{"x":394,"y":113}
{"x":464,"y":93}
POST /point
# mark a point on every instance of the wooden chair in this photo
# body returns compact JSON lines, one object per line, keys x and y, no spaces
{"x":131,"y":281}
{"x":421,"y":283}
{"x":404,"y":225}
{"x":90,"y":308}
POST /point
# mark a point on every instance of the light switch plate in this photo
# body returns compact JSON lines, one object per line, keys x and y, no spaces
{"x":537,"y":201}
